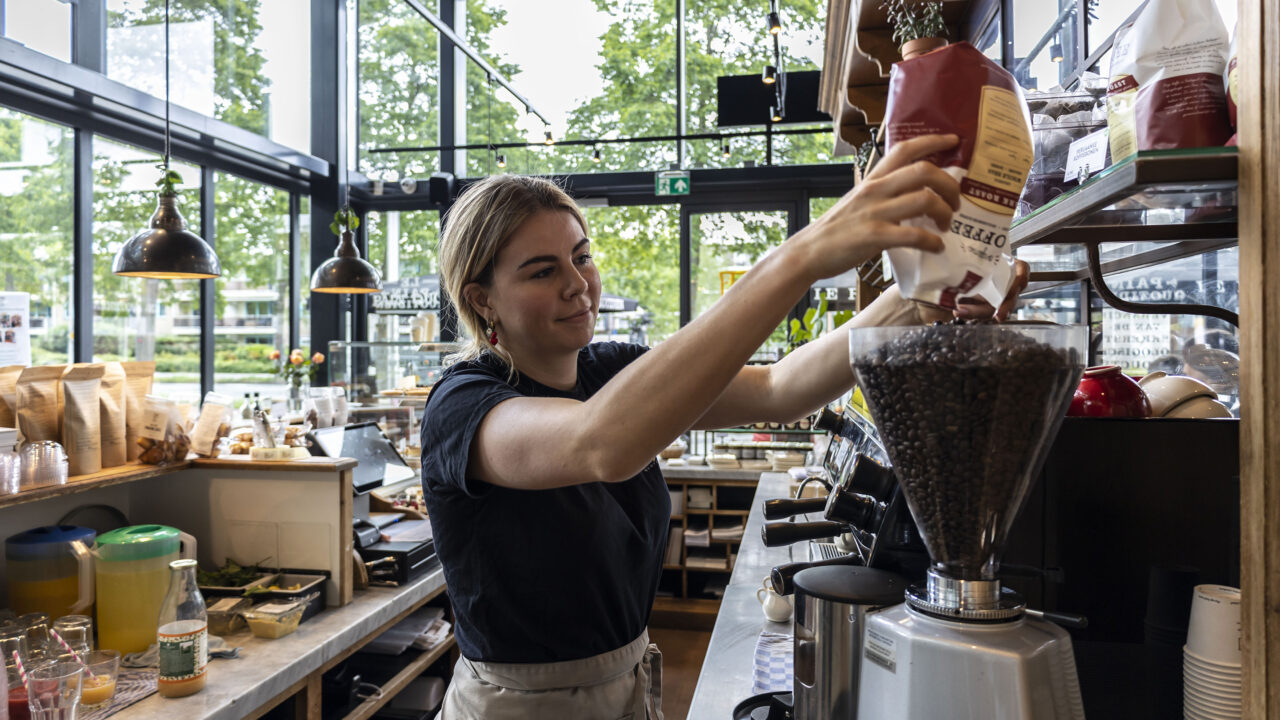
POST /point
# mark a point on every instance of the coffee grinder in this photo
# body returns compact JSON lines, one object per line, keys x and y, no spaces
{"x":966,"y":413}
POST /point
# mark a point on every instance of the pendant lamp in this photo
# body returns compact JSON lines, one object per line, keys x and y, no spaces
{"x":346,"y":271}
{"x":166,"y":249}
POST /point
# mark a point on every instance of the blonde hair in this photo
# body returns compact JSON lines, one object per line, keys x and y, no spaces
{"x":476,"y":229}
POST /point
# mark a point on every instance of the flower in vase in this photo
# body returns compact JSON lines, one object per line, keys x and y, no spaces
{"x":296,"y":359}
{"x":317,"y":359}
{"x":275,"y":355}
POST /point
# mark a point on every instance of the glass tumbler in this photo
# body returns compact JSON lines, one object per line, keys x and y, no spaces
{"x":10,"y":473}
{"x":76,"y":631}
{"x":37,"y":627}
{"x":54,"y":690}
{"x":43,"y":463}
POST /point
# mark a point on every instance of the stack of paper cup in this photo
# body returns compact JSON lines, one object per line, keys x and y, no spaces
{"x":1211,"y":657}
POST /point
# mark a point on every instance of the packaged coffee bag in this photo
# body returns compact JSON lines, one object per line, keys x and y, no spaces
{"x":138,"y":377}
{"x":81,"y":419}
{"x":959,"y":90}
{"x":1166,"y":79}
{"x":113,"y":409}
{"x":160,"y":434}
{"x":40,"y":403}
{"x":9,"y":395}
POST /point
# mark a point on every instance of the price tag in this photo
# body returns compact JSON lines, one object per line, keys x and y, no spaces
{"x":1086,"y":155}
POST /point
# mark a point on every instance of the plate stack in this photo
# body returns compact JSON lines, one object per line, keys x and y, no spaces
{"x":782,"y":460}
{"x":1211,"y":657}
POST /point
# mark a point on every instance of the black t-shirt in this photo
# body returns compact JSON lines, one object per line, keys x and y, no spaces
{"x":538,"y":575}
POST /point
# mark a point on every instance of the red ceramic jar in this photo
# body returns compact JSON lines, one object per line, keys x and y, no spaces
{"x":1104,"y":391}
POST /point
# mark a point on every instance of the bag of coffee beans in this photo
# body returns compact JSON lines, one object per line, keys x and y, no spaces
{"x":959,"y":90}
{"x":137,"y":383}
{"x":81,"y":419}
{"x":1166,"y":79}
{"x":112,"y":407}
{"x":9,"y":395}
{"x":40,"y":403}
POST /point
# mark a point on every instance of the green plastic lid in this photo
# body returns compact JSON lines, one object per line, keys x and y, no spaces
{"x":139,"y":542}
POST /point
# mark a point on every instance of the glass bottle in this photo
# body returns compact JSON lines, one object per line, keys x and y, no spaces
{"x":184,"y":634}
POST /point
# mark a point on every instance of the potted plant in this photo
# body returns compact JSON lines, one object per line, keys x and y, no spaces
{"x":297,"y":370}
{"x":918,"y":27}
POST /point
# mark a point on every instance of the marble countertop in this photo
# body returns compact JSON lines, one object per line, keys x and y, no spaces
{"x":267,"y":668}
{"x":727,"y":670}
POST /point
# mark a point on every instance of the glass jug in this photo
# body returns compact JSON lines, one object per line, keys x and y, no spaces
{"x":50,"y":570}
{"x":132,"y":571}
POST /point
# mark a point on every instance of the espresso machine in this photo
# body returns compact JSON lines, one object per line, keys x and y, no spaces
{"x":965,"y":414}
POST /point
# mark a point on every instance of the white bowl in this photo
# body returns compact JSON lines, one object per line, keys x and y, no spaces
{"x":1168,"y":391}
{"x":1198,"y":407}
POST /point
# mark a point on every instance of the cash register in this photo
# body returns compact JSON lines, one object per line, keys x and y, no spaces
{"x":395,"y":551}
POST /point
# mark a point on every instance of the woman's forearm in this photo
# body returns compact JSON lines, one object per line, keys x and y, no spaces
{"x":665,"y":391}
{"x":818,"y":372}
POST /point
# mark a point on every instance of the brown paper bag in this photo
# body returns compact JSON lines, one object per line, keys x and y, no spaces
{"x":113,"y":410}
{"x":9,"y":395}
{"x":40,"y":403}
{"x":81,"y":418}
{"x":138,"y":378}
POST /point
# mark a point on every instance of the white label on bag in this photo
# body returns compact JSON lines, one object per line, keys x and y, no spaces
{"x":155,"y":421}
{"x":1086,"y":156}
{"x":881,"y":650}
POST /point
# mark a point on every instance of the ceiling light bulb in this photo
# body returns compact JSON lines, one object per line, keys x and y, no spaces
{"x":770,"y":75}
{"x":725,"y":151}
{"x":549,"y":140}
{"x":1055,"y":52}
{"x":775,"y":114}
{"x":502,"y":161}
{"x":595,"y":155}
{"x":775,"y":23}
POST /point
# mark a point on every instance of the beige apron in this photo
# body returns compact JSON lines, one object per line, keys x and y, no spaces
{"x":622,"y":684}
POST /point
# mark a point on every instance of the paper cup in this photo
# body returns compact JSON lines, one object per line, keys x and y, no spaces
{"x":1192,"y":677}
{"x":1214,"y":630}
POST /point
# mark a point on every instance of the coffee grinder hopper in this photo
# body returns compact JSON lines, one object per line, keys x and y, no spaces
{"x":966,"y":413}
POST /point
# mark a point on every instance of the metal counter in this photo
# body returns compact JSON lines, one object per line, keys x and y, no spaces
{"x":727,"y":670}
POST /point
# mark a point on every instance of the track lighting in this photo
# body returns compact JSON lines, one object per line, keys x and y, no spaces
{"x":595,"y":155}
{"x":775,"y":114}
{"x":1055,"y":52}
{"x":775,"y":23}
{"x":725,"y":150}
{"x":502,"y":160}
{"x":770,"y":75}
{"x":549,"y":140}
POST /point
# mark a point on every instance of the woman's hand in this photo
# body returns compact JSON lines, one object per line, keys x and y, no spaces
{"x":975,"y":309}
{"x":867,"y":219}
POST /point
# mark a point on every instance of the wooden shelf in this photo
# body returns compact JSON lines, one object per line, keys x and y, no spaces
{"x":135,"y":471}
{"x":401,"y":680}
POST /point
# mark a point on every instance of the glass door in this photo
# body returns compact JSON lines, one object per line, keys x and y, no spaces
{"x":723,"y":243}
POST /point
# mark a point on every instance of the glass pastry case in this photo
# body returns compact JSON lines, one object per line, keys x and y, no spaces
{"x":388,"y":382}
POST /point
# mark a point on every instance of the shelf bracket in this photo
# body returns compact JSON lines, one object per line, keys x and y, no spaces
{"x":1110,"y":298}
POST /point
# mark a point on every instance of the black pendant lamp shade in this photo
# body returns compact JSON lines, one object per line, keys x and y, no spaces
{"x":346,"y":271}
{"x":166,"y":249}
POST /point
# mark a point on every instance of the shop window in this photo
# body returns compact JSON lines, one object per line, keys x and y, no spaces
{"x":1205,"y":348}
{"x":402,"y":245}
{"x":303,"y":263}
{"x":1106,"y":16}
{"x":42,"y":25}
{"x":36,"y":234}
{"x":398,"y":91}
{"x":251,"y":223}
{"x":637,"y":251}
{"x":726,"y":244}
{"x":247,"y":64}
{"x":137,"y":318}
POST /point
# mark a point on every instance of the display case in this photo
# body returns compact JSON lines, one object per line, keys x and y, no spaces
{"x":388,"y":382}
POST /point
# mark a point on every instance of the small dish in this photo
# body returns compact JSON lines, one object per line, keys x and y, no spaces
{"x":1199,"y":407}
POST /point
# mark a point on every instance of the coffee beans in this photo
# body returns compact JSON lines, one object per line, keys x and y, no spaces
{"x":963,"y":412}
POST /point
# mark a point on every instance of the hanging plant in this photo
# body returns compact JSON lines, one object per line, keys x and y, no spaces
{"x":344,"y":220}
{"x":169,"y":180}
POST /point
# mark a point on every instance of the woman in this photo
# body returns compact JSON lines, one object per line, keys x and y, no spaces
{"x":549,"y":510}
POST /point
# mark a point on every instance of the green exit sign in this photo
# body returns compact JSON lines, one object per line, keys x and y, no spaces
{"x":673,"y":182}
